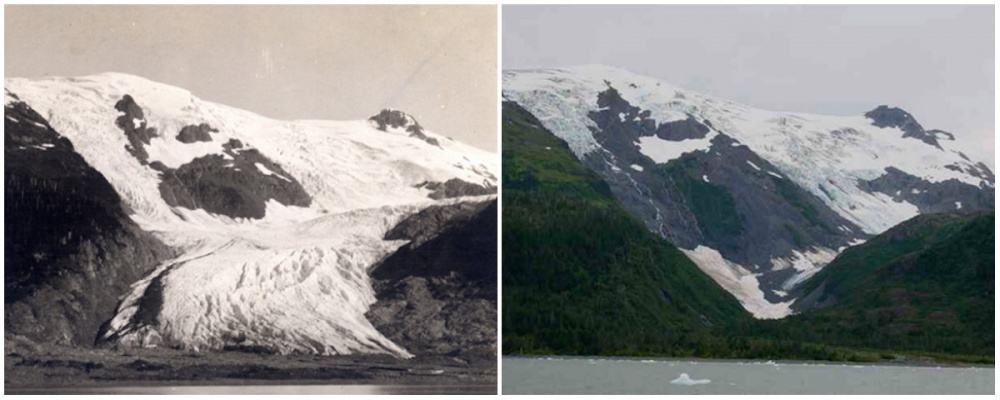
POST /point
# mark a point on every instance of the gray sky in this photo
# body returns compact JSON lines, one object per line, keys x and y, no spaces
{"x":438,"y":63}
{"x":937,"y":62}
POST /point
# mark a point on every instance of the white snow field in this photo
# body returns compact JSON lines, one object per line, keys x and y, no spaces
{"x":834,"y":152}
{"x":295,"y":280}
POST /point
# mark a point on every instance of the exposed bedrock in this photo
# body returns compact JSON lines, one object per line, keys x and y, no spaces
{"x":236,"y":182}
{"x":455,"y":187}
{"x":396,"y":119}
{"x":437,"y":294}
{"x":70,"y":249}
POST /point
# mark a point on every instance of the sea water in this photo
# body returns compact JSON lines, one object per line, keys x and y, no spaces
{"x":575,"y":375}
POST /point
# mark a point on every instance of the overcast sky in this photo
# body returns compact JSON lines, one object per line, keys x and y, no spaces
{"x":937,"y":62}
{"x":438,"y":63}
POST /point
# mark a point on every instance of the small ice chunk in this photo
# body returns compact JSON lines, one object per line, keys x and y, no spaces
{"x":958,"y":205}
{"x":686,"y":380}
{"x":753,"y":165}
{"x":705,"y":178}
{"x":637,"y":167}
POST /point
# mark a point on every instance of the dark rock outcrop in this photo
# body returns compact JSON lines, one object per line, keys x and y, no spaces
{"x":455,"y":187}
{"x":885,"y":116}
{"x":437,"y":295}
{"x":70,"y":249}
{"x":397,"y":119}
{"x":196,"y":133}
{"x":685,"y":129}
{"x":138,"y":135}
{"x":933,"y":197}
{"x":942,"y":134}
{"x":237,"y":183}
{"x":238,"y":187}
{"x":431,"y":221}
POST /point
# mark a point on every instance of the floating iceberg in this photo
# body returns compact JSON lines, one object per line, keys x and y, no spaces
{"x":686,"y":380}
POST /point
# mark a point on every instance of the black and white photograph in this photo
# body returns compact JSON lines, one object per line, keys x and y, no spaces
{"x":250,"y":199}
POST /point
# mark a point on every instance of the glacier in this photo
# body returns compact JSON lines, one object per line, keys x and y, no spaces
{"x":294,"y":281}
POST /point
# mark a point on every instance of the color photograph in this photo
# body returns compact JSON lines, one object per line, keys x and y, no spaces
{"x":720,"y":199}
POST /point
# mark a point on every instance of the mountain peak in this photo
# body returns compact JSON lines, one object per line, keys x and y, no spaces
{"x":389,"y":120}
{"x":395,"y":119}
{"x":893,"y":117}
{"x":884,"y":115}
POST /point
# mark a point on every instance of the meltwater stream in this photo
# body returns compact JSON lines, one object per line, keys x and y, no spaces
{"x":574,"y":375}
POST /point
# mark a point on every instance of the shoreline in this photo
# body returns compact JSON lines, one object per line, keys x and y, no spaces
{"x":910,"y":363}
{"x":83,"y":370}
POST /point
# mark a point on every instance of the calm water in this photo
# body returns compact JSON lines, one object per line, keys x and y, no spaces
{"x":268,"y":389}
{"x":565,"y":375}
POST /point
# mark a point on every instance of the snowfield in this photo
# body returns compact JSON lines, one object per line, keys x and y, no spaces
{"x":293,"y":281}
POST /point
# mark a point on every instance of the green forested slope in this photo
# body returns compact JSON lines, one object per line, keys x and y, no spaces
{"x":582,"y":276}
{"x":924,"y":285}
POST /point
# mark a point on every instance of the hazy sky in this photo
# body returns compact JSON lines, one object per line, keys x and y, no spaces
{"x":437,"y":63}
{"x":937,"y":62}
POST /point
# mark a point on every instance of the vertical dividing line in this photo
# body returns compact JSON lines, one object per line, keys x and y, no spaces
{"x":499,"y":93}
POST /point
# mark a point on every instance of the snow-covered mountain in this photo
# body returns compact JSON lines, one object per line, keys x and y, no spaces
{"x":276,"y":223}
{"x":760,"y":200}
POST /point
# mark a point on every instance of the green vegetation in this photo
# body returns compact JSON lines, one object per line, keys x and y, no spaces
{"x":582,"y":276}
{"x":790,"y":192}
{"x":925,"y":285}
{"x":711,"y":204}
{"x":543,"y":164}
